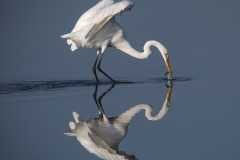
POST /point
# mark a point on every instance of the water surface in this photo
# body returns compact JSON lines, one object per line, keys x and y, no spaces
{"x":42,"y":82}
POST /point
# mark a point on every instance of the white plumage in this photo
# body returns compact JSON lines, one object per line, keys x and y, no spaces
{"x":92,"y":21}
{"x":97,"y":28}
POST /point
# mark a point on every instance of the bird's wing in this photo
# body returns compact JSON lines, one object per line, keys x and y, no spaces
{"x":85,"y":20}
{"x":89,"y":15}
{"x":99,"y":142}
{"x":105,"y":14}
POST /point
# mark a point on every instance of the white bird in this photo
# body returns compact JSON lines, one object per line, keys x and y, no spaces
{"x":97,"y":28}
{"x":102,"y":136}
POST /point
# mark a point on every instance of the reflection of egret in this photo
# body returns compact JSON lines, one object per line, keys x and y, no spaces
{"x":101,"y":136}
{"x":97,"y":28}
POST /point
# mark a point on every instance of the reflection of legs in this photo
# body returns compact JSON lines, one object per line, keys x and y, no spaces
{"x":100,"y":109}
{"x":100,"y":98}
{"x":99,"y":101}
{"x":100,"y":70}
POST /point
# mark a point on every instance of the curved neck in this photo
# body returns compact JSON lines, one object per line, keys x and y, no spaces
{"x":129,"y":114}
{"x":127,"y":48}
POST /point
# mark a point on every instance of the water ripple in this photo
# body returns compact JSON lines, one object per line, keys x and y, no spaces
{"x":27,"y":86}
{"x":24,"y":86}
{"x":174,"y":79}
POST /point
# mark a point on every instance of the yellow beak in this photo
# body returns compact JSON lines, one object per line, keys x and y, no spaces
{"x":169,"y":68}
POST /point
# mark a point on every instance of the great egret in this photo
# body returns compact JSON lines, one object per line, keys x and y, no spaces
{"x":97,"y":28}
{"x":102,"y":136}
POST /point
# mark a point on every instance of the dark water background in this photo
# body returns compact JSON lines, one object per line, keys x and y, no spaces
{"x":42,"y":82}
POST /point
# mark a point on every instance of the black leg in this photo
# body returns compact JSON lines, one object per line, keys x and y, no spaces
{"x":94,"y":69}
{"x":100,"y":70}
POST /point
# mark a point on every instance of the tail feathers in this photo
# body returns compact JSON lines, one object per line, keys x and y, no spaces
{"x":73,"y":46}
{"x":76,"y":128}
{"x":71,"y":133}
{"x":78,"y":118}
{"x":70,"y":37}
{"x":72,"y":125}
{"x":69,"y":41}
{"x":67,"y":36}
{"x":75,"y":116}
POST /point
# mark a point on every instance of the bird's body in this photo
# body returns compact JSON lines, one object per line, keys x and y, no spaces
{"x":97,"y":28}
{"x":102,"y":136}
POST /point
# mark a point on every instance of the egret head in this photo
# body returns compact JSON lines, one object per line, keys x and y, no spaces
{"x":164,"y":54}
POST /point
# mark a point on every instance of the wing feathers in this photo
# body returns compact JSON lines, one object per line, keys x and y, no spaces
{"x":105,"y":14}
{"x":112,"y":10}
{"x":89,"y":15}
{"x":93,"y":20}
{"x":90,"y":35}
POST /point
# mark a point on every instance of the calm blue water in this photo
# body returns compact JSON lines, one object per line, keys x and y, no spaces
{"x":42,"y":82}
